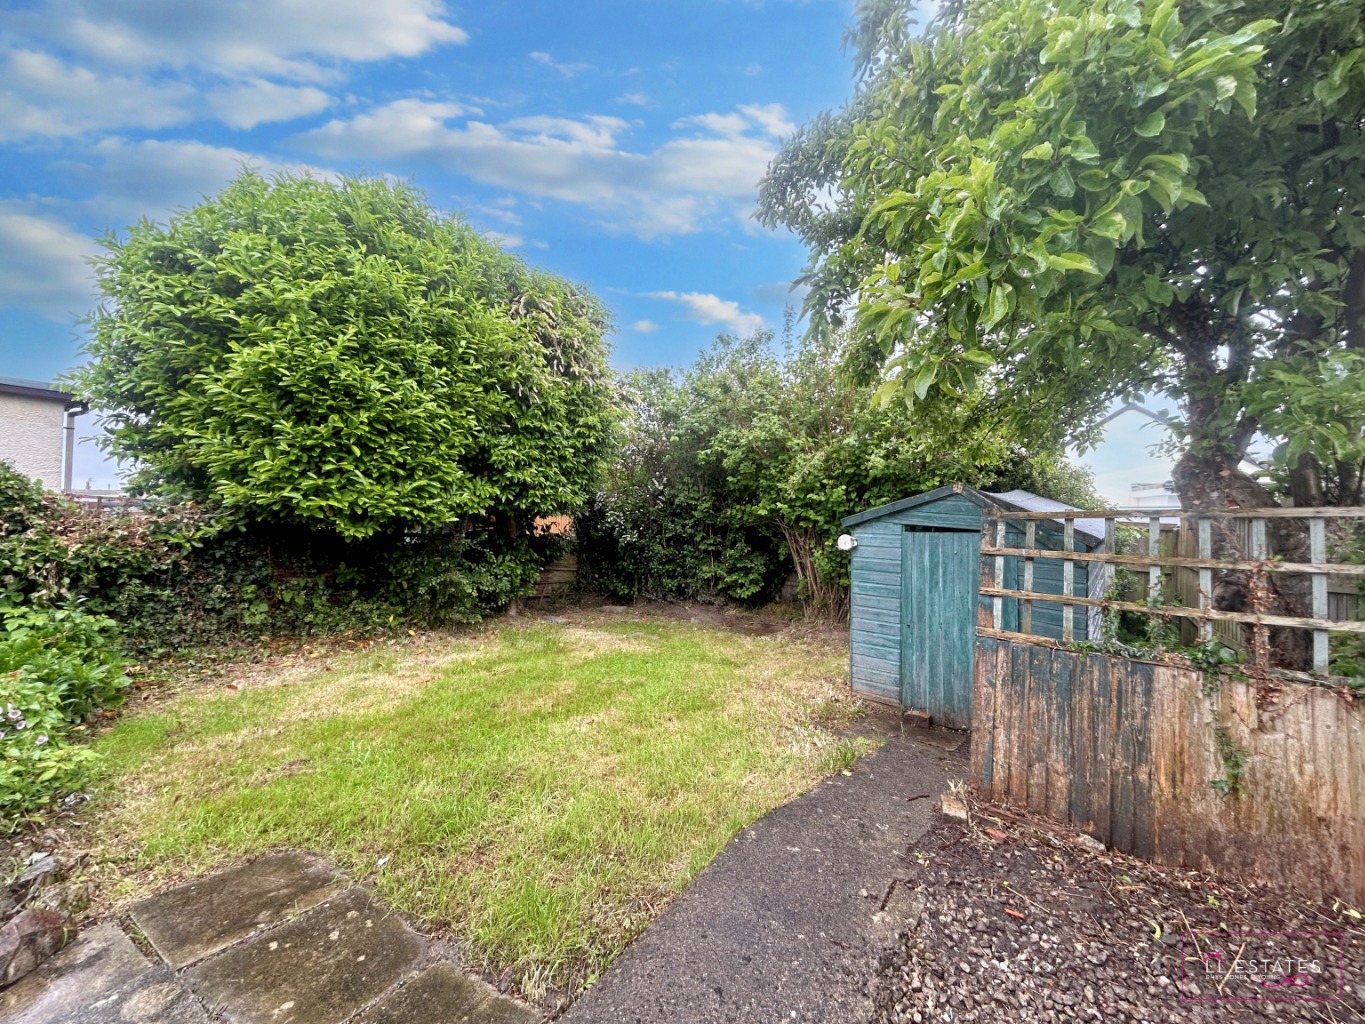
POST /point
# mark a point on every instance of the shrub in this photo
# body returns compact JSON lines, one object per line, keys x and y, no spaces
{"x":57,"y":667}
{"x":736,"y":472}
{"x":341,"y":356}
{"x":71,"y":655}
{"x":175,"y":577}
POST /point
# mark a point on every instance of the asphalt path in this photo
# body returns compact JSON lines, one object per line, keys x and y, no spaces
{"x":788,"y":923}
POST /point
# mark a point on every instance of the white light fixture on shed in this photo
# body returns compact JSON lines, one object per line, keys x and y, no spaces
{"x":847,"y":542}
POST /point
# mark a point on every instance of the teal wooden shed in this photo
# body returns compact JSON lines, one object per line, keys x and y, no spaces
{"x":916,"y":567}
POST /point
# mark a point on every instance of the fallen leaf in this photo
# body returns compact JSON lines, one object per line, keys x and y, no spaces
{"x":1015,"y":913}
{"x":995,"y":833}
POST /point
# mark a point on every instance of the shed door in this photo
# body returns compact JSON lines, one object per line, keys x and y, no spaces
{"x":939,"y":576}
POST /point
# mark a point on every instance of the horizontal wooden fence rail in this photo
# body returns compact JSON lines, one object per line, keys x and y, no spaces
{"x":1179,"y":562}
{"x":1168,"y":610}
{"x":1127,"y":514}
{"x":1251,"y":534}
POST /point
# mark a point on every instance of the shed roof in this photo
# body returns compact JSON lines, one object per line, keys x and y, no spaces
{"x":1017,"y":500}
{"x":1029,"y":502}
{"x":37,"y":389}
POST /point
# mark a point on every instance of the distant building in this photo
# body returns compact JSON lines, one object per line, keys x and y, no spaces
{"x":1158,"y":496}
{"x":38,"y":430}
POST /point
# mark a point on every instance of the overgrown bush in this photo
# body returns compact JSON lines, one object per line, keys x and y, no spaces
{"x":734,"y":474}
{"x":341,"y":356}
{"x":175,"y":577}
{"x":674,"y":542}
{"x":70,"y":654}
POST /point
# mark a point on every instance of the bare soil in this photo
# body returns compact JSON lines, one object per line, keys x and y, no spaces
{"x":1022,"y":922}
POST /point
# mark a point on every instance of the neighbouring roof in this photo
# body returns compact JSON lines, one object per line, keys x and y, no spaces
{"x":38,"y":389}
{"x":1017,"y":500}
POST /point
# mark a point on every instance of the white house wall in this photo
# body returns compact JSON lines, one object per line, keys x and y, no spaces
{"x":31,"y":437}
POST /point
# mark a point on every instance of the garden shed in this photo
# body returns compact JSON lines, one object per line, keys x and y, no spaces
{"x":916,"y":567}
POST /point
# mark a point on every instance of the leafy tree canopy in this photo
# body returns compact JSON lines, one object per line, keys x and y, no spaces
{"x":340,"y":356}
{"x":737,"y":471}
{"x":1059,"y":202}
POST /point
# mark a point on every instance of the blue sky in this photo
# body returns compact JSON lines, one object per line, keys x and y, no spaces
{"x":618,"y":144}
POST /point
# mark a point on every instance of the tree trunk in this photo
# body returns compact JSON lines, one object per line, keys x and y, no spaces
{"x":1210,"y":483}
{"x":819,"y":596}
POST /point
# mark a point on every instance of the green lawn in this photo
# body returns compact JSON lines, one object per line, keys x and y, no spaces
{"x":540,"y":790}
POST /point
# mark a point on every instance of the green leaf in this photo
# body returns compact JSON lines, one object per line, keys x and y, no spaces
{"x":1165,"y":22}
{"x":924,"y":380}
{"x":1327,"y":91}
{"x":1093,"y":180}
{"x":1151,"y":125}
{"x":1158,"y":291}
{"x":1072,"y":261}
{"x":999,"y":305}
{"x":1083,"y":149}
{"x":1042,"y":151}
{"x":1112,"y":225}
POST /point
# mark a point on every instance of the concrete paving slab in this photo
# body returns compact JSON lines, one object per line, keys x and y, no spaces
{"x":320,"y":968}
{"x":98,"y":963}
{"x":190,"y":922}
{"x":442,"y":994}
{"x":503,"y":1011}
{"x":787,"y":923}
{"x":155,"y":997}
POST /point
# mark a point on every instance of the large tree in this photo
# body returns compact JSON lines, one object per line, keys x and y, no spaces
{"x":340,"y":356}
{"x":1059,"y":202}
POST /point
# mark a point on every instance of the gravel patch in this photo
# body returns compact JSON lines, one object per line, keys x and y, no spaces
{"x":1023,"y":921}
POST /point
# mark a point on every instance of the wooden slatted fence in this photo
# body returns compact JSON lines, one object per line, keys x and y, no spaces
{"x":1257,"y":770}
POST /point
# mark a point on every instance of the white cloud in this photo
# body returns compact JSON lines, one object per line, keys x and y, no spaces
{"x":43,"y":264}
{"x":260,"y":102}
{"x":43,"y":96}
{"x":709,"y":310}
{"x":158,"y":63}
{"x":635,"y":99}
{"x":644,"y":327}
{"x":299,"y":39}
{"x":567,"y":70}
{"x":672,"y":189}
{"x":725,"y":167}
{"x":505,"y":239}
{"x":772,"y":117}
{"x":505,"y":214}
{"x":727,"y":125}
